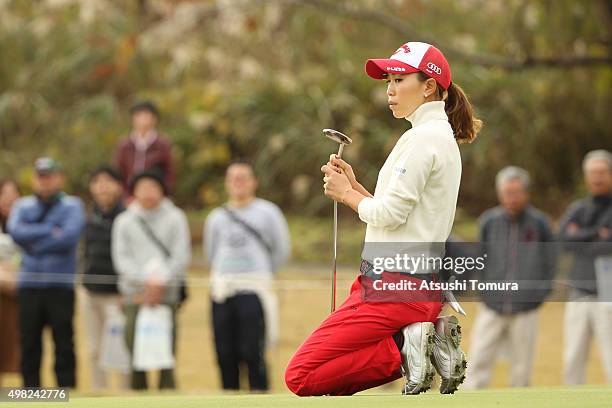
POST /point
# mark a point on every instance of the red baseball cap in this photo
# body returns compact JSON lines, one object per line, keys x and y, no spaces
{"x":413,"y":57}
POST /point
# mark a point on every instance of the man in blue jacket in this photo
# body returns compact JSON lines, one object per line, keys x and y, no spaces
{"x":47,"y":227}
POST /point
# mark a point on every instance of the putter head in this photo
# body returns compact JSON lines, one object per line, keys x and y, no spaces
{"x":337,"y":137}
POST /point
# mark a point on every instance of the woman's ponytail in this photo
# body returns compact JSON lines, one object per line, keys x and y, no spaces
{"x":461,"y":115}
{"x":459,"y":110}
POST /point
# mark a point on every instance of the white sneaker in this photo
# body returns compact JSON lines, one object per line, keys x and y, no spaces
{"x":448,"y":358}
{"x":417,"y":354}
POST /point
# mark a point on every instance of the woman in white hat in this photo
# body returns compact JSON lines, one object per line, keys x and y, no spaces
{"x":379,"y":334}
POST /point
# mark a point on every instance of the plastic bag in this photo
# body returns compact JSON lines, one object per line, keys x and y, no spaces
{"x":153,"y":339}
{"x":114,"y":354}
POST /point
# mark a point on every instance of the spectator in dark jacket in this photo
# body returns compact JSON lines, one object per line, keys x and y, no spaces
{"x":585,"y":231}
{"x":518,"y":242}
{"x":101,"y":296}
{"x":47,"y":227}
{"x":145,"y":148}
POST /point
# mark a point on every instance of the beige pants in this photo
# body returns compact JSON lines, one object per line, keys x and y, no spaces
{"x":491,"y":331}
{"x":584,"y":320}
{"x":93,"y":312}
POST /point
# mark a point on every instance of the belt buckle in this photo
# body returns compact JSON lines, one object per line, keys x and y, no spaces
{"x":366,"y":268}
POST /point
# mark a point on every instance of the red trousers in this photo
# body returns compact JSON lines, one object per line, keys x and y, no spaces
{"x":353,"y":349}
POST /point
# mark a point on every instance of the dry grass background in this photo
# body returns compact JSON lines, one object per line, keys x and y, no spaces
{"x":301,"y":309}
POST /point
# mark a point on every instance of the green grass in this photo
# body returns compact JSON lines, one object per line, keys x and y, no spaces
{"x":553,"y":397}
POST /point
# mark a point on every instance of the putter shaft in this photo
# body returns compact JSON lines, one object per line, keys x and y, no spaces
{"x":333,"y":294}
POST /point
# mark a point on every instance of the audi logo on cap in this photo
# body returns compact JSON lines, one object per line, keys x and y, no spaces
{"x":434,"y":68}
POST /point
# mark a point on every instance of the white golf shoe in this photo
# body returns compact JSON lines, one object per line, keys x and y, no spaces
{"x":448,"y":358}
{"x":417,"y":354}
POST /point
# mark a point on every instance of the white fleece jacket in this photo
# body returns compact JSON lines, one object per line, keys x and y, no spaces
{"x":417,"y":187}
{"x":134,"y":252}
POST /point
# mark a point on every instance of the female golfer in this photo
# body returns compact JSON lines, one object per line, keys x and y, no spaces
{"x":364,"y":344}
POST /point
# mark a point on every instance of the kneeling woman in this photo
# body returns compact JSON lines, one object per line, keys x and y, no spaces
{"x":364,"y":344}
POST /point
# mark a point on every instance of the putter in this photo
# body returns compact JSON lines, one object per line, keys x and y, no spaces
{"x":342,"y":140}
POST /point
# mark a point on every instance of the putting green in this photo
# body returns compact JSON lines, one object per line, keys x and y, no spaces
{"x":553,"y":397}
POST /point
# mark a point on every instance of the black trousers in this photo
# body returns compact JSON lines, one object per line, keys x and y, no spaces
{"x":40,"y":307}
{"x":240,"y":338}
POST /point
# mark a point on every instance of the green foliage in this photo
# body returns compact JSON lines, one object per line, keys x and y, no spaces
{"x":260,"y":79}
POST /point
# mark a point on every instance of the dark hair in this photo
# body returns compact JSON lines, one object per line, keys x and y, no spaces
{"x":4,"y":183}
{"x":108,"y":170}
{"x":154,"y":174}
{"x":459,"y":110}
{"x":145,"y":105}
{"x":243,"y":162}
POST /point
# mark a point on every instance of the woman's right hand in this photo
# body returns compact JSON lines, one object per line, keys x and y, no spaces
{"x":154,"y":292}
{"x":346,"y":168}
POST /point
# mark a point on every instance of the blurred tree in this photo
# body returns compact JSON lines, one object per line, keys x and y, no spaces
{"x":260,"y":79}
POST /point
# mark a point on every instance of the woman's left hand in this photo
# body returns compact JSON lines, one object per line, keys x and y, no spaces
{"x":335,"y":185}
